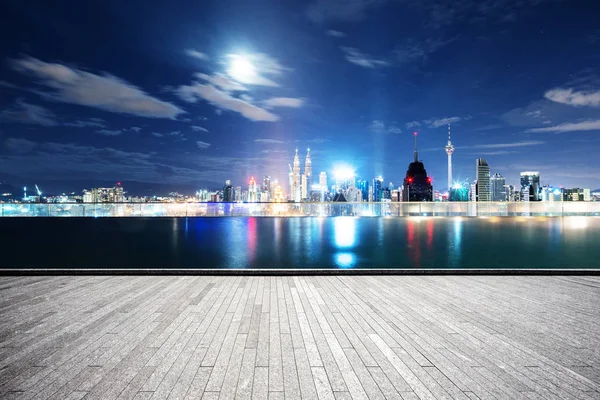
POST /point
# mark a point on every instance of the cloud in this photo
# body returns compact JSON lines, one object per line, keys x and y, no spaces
{"x":197,"y":54}
{"x":378,"y":126}
{"x":491,"y":146}
{"x":355,"y":56}
{"x":321,"y":11}
{"x":19,"y":146}
{"x":202,"y":145}
{"x":106,"y":92}
{"x":334,"y":33}
{"x":25,"y":113}
{"x":436,"y":123}
{"x":440,"y":14}
{"x":199,"y":128}
{"x":224,"y":100}
{"x":157,"y":134}
{"x":8,"y":85}
{"x":413,"y":124}
{"x":494,"y":153}
{"x":590,"y":125}
{"x":91,"y":123}
{"x":573,"y":98}
{"x":270,"y":141}
{"x":135,"y":128}
{"x":273,"y":151}
{"x":505,"y":145}
{"x":283,"y":102}
{"x":107,"y":132}
{"x":413,"y":49}
{"x":318,"y":141}
{"x":222,"y":82}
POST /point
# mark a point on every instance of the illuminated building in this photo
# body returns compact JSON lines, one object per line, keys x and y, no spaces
{"x":296,"y":194}
{"x":576,"y":194}
{"x":307,"y":180}
{"x":304,"y":187}
{"x":483,"y":181}
{"x":417,"y":185}
{"x":458,"y":192}
{"x":377,"y":189}
{"x":252,"y":191}
{"x":473,"y":191}
{"x":105,"y":195}
{"x":363,"y":186}
{"x":449,"y":151}
{"x":497,"y":187}
{"x":228,"y":192}
{"x":237,"y":193}
{"x":266,"y":186}
{"x":323,"y":184}
{"x":530,"y":186}
{"x":510,"y":192}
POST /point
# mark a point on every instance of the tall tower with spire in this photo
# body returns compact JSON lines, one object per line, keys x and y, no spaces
{"x":449,"y":151}
{"x":307,"y":177}
{"x":296,"y":193}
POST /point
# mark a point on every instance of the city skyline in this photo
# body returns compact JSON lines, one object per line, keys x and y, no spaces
{"x":194,"y":104}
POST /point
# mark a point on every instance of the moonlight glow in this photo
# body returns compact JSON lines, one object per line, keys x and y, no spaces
{"x":241,"y":69}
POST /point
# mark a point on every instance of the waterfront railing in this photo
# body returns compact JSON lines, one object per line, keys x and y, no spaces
{"x":387,"y":209}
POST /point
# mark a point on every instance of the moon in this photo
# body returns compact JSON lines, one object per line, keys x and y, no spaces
{"x":241,"y":69}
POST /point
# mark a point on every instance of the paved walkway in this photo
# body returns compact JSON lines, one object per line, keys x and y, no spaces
{"x":322,"y":337}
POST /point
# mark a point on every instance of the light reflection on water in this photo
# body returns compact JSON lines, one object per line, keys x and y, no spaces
{"x":340,"y":242}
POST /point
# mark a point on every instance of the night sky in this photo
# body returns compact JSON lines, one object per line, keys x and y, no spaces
{"x":197,"y":92}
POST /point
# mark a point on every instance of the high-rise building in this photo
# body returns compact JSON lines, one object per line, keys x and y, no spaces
{"x":237,"y":193}
{"x":483,"y":180}
{"x":449,"y":151}
{"x":266,"y":185}
{"x":252,"y":191}
{"x":304,"y":186}
{"x":377,"y":189}
{"x":510,"y":192}
{"x":308,"y":171}
{"x":417,"y":185}
{"x":323,"y":184}
{"x":228,"y":192}
{"x":473,"y":191}
{"x":497,"y":187}
{"x":296,"y":181}
{"x":530,"y":186}
{"x":363,"y":186}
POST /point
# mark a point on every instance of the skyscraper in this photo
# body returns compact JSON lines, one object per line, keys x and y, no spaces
{"x":530,"y":186}
{"x":228,"y":192}
{"x":417,"y":185}
{"x":266,"y":186}
{"x":323,"y":184}
{"x":449,"y":151}
{"x":252,"y":191}
{"x":483,"y":180}
{"x":377,"y":189}
{"x":308,"y":170}
{"x":296,"y":193}
{"x":497,"y":187}
{"x":363,"y":186}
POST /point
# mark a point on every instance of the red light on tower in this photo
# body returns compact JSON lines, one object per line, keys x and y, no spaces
{"x":428,"y":180}
{"x":415,"y":133}
{"x":252,"y":181}
{"x":118,"y":183}
{"x":410,"y":180}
